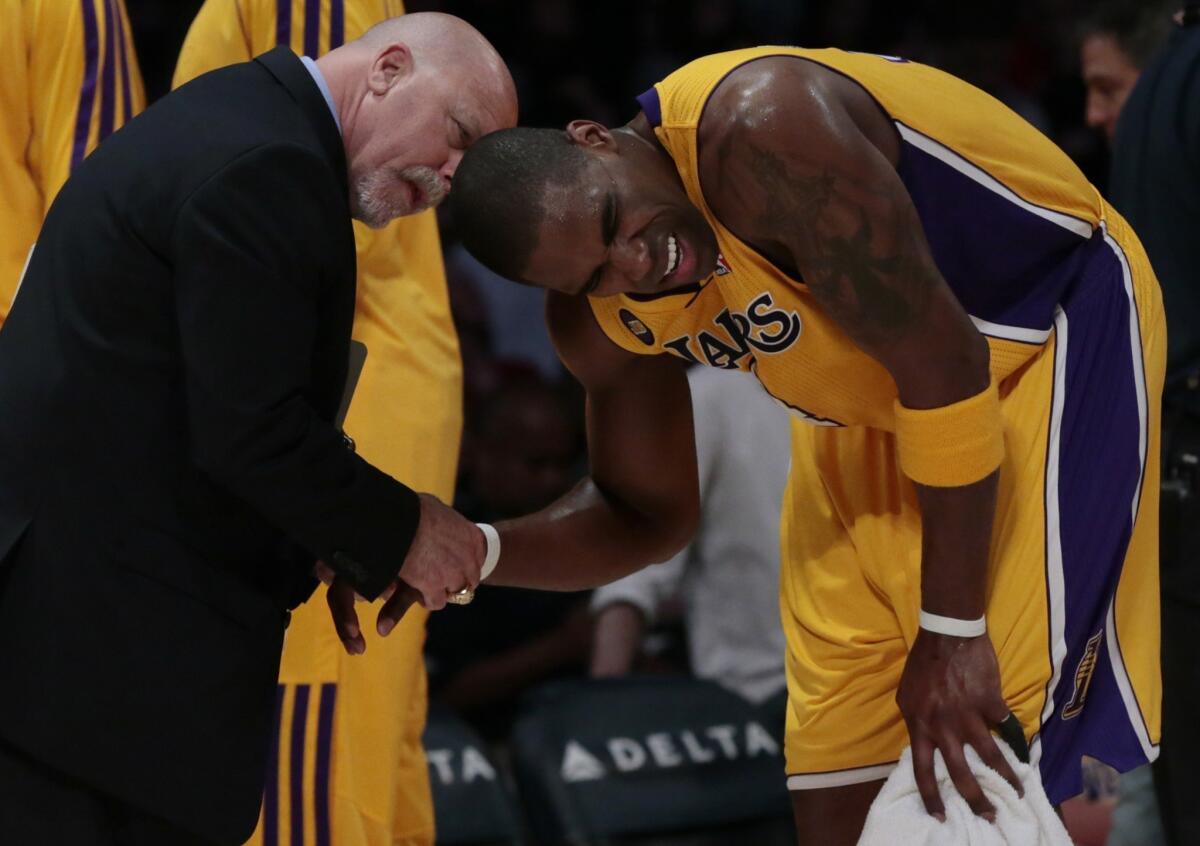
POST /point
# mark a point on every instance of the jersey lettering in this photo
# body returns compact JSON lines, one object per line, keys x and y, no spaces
{"x":760,"y":328}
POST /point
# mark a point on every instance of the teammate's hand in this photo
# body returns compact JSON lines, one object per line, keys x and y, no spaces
{"x":446,"y":556}
{"x":950,"y":696}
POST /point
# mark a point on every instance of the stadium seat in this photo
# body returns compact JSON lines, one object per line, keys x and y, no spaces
{"x":470,"y":801}
{"x":649,"y":760}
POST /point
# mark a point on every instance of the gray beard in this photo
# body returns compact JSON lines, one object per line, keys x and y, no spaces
{"x":379,"y":197}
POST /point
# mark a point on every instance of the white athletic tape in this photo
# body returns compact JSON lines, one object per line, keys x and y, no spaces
{"x":493,"y":549}
{"x":952,"y":626}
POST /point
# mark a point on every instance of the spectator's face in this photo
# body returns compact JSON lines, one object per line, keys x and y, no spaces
{"x":626,"y":227}
{"x":410,"y":131}
{"x":1109,"y":76}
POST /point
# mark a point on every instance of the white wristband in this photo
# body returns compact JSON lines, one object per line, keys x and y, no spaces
{"x":493,"y":549}
{"x":952,"y":626}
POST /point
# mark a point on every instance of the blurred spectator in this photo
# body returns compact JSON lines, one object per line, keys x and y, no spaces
{"x":1156,"y":185}
{"x":525,"y":444}
{"x":506,"y":319}
{"x":728,"y":576}
{"x":1115,"y":42}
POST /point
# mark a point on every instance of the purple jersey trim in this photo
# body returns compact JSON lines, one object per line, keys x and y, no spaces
{"x":87,"y":92}
{"x":337,"y":24}
{"x":108,"y":80}
{"x":126,"y":74}
{"x":312,"y":28}
{"x":296,"y":785}
{"x":283,"y":23}
{"x":324,"y":753}
{"x":1100,"y":472}
{"x":1004,"y":263}
{"x":650,"y":104}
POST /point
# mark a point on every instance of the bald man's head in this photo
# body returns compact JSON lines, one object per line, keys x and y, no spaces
{"x":412,"y":93}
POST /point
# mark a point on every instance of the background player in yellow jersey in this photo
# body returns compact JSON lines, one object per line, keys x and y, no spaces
{"x":349,"y":765}
{"x":971,"y":522}
{"x":68,"y":78}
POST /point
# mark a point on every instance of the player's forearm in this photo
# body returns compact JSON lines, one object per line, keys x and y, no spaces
{"x":587,"y":539}
{"x":956,"y":533}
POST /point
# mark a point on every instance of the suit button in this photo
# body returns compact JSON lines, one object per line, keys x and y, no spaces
{"x":348,"y":441}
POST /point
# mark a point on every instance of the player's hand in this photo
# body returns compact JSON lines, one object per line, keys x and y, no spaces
{"x":950,"y":696}
{"x":397,"y":598}
{"x":446,"y":556}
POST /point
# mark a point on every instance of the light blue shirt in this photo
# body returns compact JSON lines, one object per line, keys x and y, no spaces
{"x":319,"y":79}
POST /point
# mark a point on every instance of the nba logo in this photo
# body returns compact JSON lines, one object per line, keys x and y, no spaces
{"x":723,"y":267}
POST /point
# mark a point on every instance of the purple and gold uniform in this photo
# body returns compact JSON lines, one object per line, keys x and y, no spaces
{"x":347,"y":765}
{"x":69,"y":78}
{"x":1060,"y":286}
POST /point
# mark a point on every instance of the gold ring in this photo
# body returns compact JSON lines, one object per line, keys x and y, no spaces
{"x":461,"y":597}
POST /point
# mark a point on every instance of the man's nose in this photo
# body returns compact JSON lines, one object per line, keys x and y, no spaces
{"x":633,"y":260}
{"x":451,"y":165}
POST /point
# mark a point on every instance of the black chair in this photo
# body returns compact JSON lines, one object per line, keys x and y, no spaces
{"x":649,"y":760}
{"x":471,"y":804}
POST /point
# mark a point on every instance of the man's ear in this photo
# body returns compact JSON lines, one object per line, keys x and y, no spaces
{"x":392,"y":63}
{"x":588,"y":133}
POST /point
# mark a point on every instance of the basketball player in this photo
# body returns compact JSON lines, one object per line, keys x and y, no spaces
{"x":350,"y":768}
{"x":972,"y":343}
{"x":69,"y":78}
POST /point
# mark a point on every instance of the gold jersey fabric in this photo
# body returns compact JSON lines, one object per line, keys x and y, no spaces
{"x":977,"y":193}
{"x":68,"y":78}
{"x":1062,"y":290}
{"x":361,"y":769}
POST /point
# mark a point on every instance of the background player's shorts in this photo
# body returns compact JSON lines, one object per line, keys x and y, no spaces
{"x":346,"y":767}
{"x":1073,"y":582}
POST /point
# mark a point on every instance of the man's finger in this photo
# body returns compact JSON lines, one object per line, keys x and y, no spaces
{"x":985,"y":746}
{"x":922,"y":756}
{"x":322,"y":571}
{"x":964,"y":779}
{"x":340,"y":597}
{"x":395,"y":608}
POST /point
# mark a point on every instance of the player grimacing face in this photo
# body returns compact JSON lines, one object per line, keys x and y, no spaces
{"x":627,"y":226}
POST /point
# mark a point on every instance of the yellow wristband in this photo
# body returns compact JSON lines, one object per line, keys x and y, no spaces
{"x":953,"y":445}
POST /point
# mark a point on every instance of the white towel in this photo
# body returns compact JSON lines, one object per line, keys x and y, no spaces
{"x":898,"y":815}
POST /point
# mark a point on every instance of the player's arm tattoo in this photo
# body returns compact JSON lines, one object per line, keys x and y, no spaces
{"x":857,"y":245}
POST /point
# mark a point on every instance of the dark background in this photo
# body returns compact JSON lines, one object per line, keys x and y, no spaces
{"x":589,"y":59}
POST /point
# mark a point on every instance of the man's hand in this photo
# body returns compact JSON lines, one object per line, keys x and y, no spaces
{"x":341,"y":597}
{"x":446,"y":556}
{"x":950,"y":696}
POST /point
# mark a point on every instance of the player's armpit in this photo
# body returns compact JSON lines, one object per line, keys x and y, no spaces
{"x":641,"y":502}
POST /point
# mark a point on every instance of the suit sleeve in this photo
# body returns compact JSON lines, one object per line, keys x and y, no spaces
{"x":247,"y":247}
{"x":219,"y":35}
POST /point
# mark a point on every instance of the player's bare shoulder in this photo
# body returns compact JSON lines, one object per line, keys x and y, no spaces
{"x":586,"y":351}
{"x":771,"y":119}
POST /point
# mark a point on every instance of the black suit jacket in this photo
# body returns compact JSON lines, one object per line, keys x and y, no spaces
{"x":169,"y":468}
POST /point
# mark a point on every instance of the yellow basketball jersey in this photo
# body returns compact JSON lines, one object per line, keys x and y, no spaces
{"x":1005,"y":211}
{"x":68,"y":78}
{"x":403,"y":309}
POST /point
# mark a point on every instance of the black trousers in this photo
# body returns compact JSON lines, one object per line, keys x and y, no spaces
{"x":1177,"y":771}
{"x":41,"y":806}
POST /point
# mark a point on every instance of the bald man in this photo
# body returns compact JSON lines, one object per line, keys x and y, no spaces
{"x":375,"y":791}
{"x":191,"y":298}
